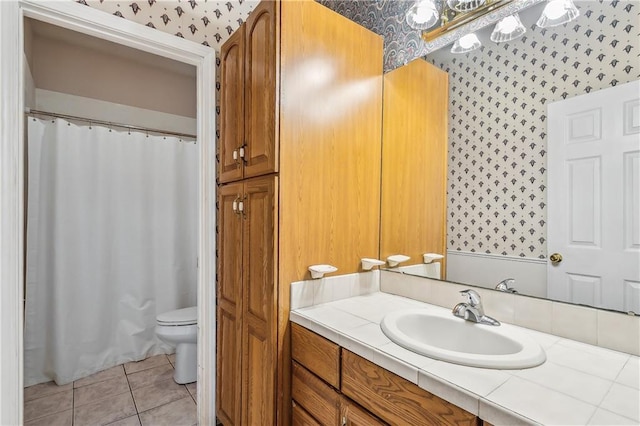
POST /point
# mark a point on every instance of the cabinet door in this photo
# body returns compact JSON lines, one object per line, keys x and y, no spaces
{"x":229,"y":306}
{"x":259,"y":301}
{"x":261,"y":152}
{"x":231,"y":107}
{"x":354,"y":415}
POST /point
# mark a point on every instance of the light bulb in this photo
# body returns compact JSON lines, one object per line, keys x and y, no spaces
{"x":558,"y":12}
{"x":422,"y":15}
{"x":507,"y":29}
{"x":466,"y":44}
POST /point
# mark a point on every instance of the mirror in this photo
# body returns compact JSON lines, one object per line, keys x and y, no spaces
{"x":504,"y":101}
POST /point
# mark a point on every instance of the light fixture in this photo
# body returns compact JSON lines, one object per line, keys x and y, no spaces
{"x":558,"y":12}
{"x":508,"y":29}
{"x":466,"y":44}
{"x":465,"y":5}
{"x":422,"y":15}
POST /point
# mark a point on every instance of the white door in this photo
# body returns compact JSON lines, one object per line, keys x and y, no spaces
{"x":594,"y":198}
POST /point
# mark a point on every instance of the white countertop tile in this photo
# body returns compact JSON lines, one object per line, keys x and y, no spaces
{"x":630,"y":374}
{"x":545,"y":340}
{"x":582,"y":386}
{"x":396,"y":366}
{"x":332,"y":317}
{"x":407,"y":356}
{"x":541,"y":403}
{"x":623,"y":400}
{"x":356,"y":346}
{"x":498,"y":415}
{"x":448,"y":391}
{"x":363,"y":308}
{"x":600,"y":362}
{"x":579,"y":383}
{"x":371,"y":334}
{"x":607,"y":418}
{"x":480,"y":381}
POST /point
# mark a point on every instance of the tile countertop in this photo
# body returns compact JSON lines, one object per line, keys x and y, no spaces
{"x":579,"y":384}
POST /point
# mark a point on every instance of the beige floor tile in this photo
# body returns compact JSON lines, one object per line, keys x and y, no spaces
{"x":106,"y":411}
{"x":44,"y":389}
{"x":47,"y":405}
{"x":99,"y":391}
{"x":107,"y":374}
{"x":154,"y":361}
{"x":129,"y":421}
{"x":64,"y":418}
{"x":177,"y":413}
{"x":193,"y":389}
{"x":152,"y":375}
{"x":157,"y":394}
{"x":172,"y":359}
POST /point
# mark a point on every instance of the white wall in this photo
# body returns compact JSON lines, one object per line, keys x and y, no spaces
{"x":72,"y":63}
{"x":79,"y":106}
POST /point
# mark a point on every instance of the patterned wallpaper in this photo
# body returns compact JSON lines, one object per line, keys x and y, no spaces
{"x":498,"y":98}
{"x":497,"y":140}
{"x":402,"y":44}
{"x":206,"y":22}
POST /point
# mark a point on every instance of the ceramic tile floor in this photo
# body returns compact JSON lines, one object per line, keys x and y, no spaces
{"x":136,"y":393}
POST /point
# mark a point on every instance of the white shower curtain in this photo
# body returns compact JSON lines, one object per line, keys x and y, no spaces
{"x":111,"y":243}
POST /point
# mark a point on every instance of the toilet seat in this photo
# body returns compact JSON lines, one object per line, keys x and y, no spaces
{"x":179,"y":317}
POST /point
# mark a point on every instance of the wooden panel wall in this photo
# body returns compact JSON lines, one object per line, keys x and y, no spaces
{"x":414,"y":162}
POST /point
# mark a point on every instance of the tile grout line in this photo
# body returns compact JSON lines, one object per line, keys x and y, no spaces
{"x":73,"y":403}
{"x":131,"y":392}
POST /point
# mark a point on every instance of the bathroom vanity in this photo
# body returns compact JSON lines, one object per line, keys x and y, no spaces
{"x":345,"y":369}
{"x":338,"y":387}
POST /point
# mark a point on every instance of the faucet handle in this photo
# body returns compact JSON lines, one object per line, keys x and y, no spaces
{"x":472,"y":296}
{"x":506,"y":285}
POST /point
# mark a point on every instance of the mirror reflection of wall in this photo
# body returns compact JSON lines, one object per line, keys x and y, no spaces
{"x":498,"y":100}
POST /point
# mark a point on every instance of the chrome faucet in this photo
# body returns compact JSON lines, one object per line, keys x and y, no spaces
{"x":473,"y":310}
{"x":505,"y":285}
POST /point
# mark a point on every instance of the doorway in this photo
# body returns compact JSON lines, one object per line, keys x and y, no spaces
{"x":78,"y":18}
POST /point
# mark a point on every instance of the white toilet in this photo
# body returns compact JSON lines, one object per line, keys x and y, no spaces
{"x":179,"y":328}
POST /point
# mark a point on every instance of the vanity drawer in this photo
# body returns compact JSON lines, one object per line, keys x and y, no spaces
{"x":394,"y":399}
{"x":299,"y":417}
{"x":316,"y":397}
{"x":316,"y":353}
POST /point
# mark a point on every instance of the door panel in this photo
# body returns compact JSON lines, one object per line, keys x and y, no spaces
{"x":231,"y":108}
{"x":229,"y":306}
{"x":259,"y":300}
{"x":261,"y":154}
{"x":594,"y":198}
{"x":228,"y":366}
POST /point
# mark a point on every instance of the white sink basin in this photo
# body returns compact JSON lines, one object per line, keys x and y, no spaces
{"x":448,"y":338}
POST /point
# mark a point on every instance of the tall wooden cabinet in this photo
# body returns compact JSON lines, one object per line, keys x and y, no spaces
{"x":299,"y":168}
{"x":248,"y":95}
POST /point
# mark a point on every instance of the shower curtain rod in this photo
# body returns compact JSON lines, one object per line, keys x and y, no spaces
{"x":32,"y":112}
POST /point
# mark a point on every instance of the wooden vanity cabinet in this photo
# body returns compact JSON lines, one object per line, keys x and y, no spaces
{"x":367,"y":394}
{"x":316,"y":382}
